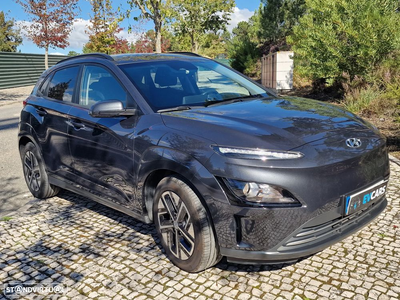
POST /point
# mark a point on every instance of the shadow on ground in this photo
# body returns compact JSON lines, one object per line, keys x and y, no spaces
{"x":10,"y":123}
{"x":7,"y":189}
{"x":12,"y":196}
{"x":67,"y":239}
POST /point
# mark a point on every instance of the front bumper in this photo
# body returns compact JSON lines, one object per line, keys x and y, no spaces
{"x":312,"y":237}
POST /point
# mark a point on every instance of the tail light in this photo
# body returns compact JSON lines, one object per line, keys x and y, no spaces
{"x":24,"y":103}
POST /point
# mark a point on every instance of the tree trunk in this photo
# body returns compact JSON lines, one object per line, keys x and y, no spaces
{"x":194,"y":43}
{"x":157,"y":27}
{"x":46,"y":57}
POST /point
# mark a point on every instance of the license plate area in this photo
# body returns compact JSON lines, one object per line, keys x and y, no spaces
{"x":360,"y":200}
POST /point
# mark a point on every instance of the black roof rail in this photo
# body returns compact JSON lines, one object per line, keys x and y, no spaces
{"x":185,"y":53}
{"x":95,"y":55}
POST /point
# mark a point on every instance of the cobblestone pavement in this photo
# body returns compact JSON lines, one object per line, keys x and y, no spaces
{"x":91,"y":251}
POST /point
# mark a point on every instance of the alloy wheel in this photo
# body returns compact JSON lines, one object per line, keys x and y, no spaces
{"x":32,"y":171}
{"x":176,"y":225}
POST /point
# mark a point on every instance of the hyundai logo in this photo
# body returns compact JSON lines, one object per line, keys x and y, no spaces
{"x":353,"y":143}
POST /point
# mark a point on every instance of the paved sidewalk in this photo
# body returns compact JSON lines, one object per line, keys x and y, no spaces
{"x":13,"y":190}
{"x":12,"y":95}
{"x":84,"y":250}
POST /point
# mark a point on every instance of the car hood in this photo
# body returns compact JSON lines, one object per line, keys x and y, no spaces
{"x":280,"y":124}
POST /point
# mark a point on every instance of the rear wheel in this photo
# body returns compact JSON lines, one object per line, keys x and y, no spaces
{"x":35,"y":174}
{"x":183,"y":226}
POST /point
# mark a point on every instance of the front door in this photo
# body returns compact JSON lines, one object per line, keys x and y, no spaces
{"x":102,"y":148}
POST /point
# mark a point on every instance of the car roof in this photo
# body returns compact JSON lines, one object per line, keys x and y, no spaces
{"x":134,"y":57}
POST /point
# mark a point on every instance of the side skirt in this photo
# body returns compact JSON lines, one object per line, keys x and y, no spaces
{"x":80,"y":191}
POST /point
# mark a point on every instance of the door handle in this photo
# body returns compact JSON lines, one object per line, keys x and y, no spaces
{"x":77,"y":125}
{"x":41,"y":112}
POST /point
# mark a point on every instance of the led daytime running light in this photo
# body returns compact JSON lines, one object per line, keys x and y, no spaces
{"x":258,"y":153}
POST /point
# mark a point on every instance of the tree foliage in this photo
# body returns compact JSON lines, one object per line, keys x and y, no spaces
{"x":180,"y":43}
{"x":265,"y":32}
{"x":72,"y":53}
{"x":214,"y":44}
{"x":147,"y":42}
{"x":211,"y":44}
{"x":342,"y":37}
{"x":10,"y":38}
{"x":277,"y":18}
{"x":243,"y":45}
{"x":196,"y":18}
{"x":156,"y":10}
{"x":104,"y":29}
{"x":50,"y":22}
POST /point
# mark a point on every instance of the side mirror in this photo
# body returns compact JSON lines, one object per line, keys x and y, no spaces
{"x":110,"y":109}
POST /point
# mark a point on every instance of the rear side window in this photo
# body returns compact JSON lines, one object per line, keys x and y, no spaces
{"x":61,"y":86}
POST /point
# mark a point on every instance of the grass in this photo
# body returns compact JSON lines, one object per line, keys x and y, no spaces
{"x":39,"y":262}
{"x":6,"y":218}
{"x":361,"y":100}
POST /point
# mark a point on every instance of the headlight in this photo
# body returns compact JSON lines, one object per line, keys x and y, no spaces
{"x":261,"y":154}
{"x":260,"y":193}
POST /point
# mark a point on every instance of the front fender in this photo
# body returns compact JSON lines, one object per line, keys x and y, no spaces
{"x":183,"y":164}
{"x":196,"y":175}
{"x":182,"y":154}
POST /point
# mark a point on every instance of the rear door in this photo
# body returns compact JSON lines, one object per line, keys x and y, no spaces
{"x":50,"y":118}
{"x":102,"y":148}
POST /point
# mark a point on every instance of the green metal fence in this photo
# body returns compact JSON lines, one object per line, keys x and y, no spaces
{"x":20,"y":69}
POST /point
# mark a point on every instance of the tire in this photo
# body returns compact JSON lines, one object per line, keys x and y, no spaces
{"x":35,"y":174}
{"x":183,"y":226}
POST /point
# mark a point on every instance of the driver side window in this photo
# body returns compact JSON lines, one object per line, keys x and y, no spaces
{"x":98,"y":84}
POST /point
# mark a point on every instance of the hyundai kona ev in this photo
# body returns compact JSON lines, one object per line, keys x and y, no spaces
{"x":222,"y":166}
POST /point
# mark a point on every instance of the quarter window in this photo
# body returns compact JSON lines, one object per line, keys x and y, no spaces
{"x":98,"y":84}
{"x":43,"y":87}
{"x":61,"y":86}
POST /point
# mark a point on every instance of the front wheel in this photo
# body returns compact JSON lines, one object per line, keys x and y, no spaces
{"x":35,"y":174}
{"x":183,"y":226}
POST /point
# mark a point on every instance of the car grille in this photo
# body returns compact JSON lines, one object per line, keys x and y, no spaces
{"x":319,"y":233}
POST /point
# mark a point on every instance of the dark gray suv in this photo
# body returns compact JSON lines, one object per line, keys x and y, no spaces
{"x":222,"y":166}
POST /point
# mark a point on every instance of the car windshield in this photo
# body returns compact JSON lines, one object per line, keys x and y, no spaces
{"x":168,"y":84}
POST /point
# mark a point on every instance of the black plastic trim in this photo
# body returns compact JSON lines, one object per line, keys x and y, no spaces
{"x":282,"y":254}
{"x":66,"y":186}
{"x":185,"y":53}
{"x":93,"y":55}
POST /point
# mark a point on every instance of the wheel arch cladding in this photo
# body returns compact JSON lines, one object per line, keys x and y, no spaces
{"x":24,"y":140}
{"x":182,"y":165}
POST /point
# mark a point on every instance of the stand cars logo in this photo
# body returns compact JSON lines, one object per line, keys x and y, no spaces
{"x":374,"y":194}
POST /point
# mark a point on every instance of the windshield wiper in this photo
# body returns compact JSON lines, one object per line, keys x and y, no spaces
{"x":232,"y":100}
{"x":176,"y":108}
{"x":211,"y":102}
